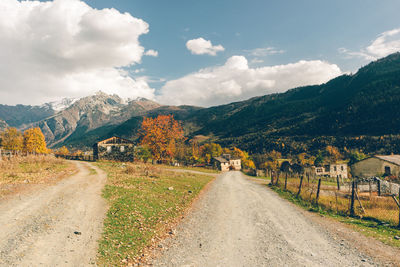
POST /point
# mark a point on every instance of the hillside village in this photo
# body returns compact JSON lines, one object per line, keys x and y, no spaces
{"x":199,"y":133}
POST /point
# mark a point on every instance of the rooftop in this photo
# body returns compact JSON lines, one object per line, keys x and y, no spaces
{"x":395,"y":159}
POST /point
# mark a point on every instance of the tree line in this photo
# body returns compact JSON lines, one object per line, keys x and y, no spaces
{"x":31,"y":141}
{"x":163,"y":139}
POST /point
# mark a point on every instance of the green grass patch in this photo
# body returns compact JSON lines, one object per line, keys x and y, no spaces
{"x":381,"y":231}
{"x":142,"y":206}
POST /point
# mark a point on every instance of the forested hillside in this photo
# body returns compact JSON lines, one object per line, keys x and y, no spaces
{"x":363,"y":104}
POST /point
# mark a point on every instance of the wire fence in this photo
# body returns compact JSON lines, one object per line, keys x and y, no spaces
{"x":370,"y":198}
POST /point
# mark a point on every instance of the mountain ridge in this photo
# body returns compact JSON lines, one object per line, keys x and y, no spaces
{"x":363,"y":103}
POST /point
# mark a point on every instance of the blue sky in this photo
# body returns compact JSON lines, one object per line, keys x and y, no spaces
{"x":265,"y":46}
{"x":309,"y":29}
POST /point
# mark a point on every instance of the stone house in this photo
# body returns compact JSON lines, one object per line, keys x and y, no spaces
{"x":378,"y":165}
{"x":114,"y":148}
{"x":226,"y":163}
{"x":331,"y":170}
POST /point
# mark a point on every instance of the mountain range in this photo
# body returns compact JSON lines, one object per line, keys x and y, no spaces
{"x":362,"y":104}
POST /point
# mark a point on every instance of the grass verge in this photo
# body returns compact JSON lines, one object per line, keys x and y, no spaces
{"x":198,"y":169}
{"x":144,"y":201}
{"x":367,"y":226}
{"x":18,"y":171}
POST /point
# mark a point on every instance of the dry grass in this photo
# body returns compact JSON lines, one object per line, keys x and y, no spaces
{"x":382,"y":208}
{"x":31,"y":170}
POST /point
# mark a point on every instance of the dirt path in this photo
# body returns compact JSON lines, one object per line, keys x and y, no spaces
{"x":241,"y":223}
{"x":37,"y":229}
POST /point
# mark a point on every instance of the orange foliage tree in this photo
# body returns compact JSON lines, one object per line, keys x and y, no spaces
{"x":34,"y":141}
{"x":160,"y":135}
{"x":12,"y":140}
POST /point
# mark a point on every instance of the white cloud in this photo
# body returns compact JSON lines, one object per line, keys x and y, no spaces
{"x":235,"y":80}
{"x":265,"y":51}
{"x":201,"y":46}
{"x":385,"y":44}
{"x":151,"y":53}
{"x":66,"y":48}
{"x":256,"y":61}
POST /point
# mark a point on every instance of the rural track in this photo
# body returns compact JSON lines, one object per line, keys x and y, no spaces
{"x":239,"y":222}
{"x":58,"y":225}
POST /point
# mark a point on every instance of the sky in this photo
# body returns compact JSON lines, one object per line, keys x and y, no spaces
{"x":190,"y":52}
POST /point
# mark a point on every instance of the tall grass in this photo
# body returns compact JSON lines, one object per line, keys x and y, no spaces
{"x":381,"y":208}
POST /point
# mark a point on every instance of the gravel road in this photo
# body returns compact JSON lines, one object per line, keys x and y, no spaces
{"x":55,"y":226}
{"x":241,"y":223}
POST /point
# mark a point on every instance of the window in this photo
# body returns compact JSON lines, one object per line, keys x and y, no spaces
{"x":342,"y":168}
{"x":334,"y":168}
{"x":122,"y":149}
{"x":387,"y":170}
{"x":109,"y":149}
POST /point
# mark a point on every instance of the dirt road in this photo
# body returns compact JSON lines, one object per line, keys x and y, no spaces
{"x":56,"y":226}
{"x":241,"y":223}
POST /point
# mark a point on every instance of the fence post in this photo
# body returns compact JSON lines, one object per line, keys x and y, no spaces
{"x":272,"y":178}
{"x":337,"y":181}
{"x":301,"y":182}
{"x":352,"y":198}
{"x":278,"y":174}
{"x":286,"y":181}
{"x":370,"y":189}
{"x":398,"y":226}
{"x":319,"y":187}
{"x":379,"y":187}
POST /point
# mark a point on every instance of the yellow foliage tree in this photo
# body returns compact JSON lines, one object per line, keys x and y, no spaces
{"x":208,"y":151}
{"x":247,"y":163}
{"x":63,"y":151}
{"x":34,"y":141}
{"x":12,"y":139}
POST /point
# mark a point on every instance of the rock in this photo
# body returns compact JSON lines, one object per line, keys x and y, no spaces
{"x":160,"y":246}
{"x":190,"y":191}
{"x":124,"y":261}
{"x":77,"y":233}
{"x":363,"y":260}
{"x":397,"y":237}
{"x":26,"y":181}
{"x":170,"y":188}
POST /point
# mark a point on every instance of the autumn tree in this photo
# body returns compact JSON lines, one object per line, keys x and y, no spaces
{"x":208,"y":151}
{"x":161,"y":135}
{"x":34,"y":141}
{"x":143,"y":153}
{"x":12,"y":140}
{"x":63,"y":151}
{"x":333,"y":153}
{"x":272,"y":160}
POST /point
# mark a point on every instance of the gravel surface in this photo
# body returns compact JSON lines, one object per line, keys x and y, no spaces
{"x":241,"y":223}
{"x":55,"y":226}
